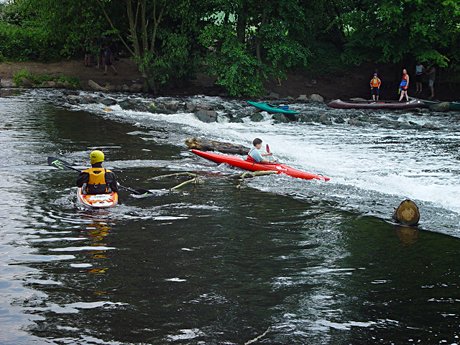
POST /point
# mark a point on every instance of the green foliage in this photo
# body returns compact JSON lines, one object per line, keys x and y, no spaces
{"x":49,"y":29}
{"x":24,"y":44}
{"x":240,"y":42}
{"x":235,"y":68}
{"x":281,"y":51}
{"x":24,"y":76}
{"x":174,"y":62}
{"x":395,"y":31}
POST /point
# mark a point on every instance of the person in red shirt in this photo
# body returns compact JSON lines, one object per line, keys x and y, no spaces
{"x":404,"y":86}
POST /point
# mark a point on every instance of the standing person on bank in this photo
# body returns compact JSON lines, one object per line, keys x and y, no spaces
{"x":431,"y":79}
{"x":419,"y":71}
{"x":404,"y":86}
{"x":375,"y":87}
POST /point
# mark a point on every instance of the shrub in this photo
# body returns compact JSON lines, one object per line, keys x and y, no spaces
{"x":38,"y":80}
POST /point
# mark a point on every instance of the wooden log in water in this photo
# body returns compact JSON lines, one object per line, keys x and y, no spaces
{"x":407,"y":213}
{"x":211,"y":145}
{"x":251,"y":174}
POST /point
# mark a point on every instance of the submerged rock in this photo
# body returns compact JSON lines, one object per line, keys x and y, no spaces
{"x":206,"y":115}
{"x":280,"y":118}
{"x":307,"y":118}
{"x":302,"y":98}
{"x":108,"y":101}
{"x":339,"y":120}
{"x":443,"y":106}
{"x":325,"y":120}
{"x":257,"y":117}
{"x":316,"y":98}
{"x":356,"y":122}
{"x":190,"y":107}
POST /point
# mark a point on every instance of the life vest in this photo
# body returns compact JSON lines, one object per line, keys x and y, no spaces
{"x":403,"y":83}
{"x":96,"y":182}
{"x":375,"y":82}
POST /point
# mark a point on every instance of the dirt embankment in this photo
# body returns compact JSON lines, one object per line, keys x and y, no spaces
{"x":352,"y":83}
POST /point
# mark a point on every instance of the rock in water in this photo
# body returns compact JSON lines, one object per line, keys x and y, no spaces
{"x":206,"y":115}
{"x":302,"y":98}
{"x":407,"y":213}
{"x":443,"y":106}
{"x":316,"y":98}
{"x":108,"y":101}
{"x":257,"y":117}
{"x":280,"y":118}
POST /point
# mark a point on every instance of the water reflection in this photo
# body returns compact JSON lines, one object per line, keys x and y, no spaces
{"x":407,"y":235}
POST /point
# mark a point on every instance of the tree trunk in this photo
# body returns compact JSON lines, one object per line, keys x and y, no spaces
{"x":241,"y":23}
{"x":133,"y":27}
{"x":211,"y":145}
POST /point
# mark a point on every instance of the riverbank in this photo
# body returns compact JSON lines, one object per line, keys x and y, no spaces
{"x":350,"y":83}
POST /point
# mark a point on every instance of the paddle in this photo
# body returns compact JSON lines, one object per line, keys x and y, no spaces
{"x":271,"y":158}
{"x":63,"y":165}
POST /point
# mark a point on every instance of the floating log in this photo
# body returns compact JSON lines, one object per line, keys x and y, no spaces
{"x":180,"y":185}
{"x":407,"y":213}
{"x":250,"y":174}
{"x":95,"y":86}
{"x":211,"y":145}
{"x":189,"y":174}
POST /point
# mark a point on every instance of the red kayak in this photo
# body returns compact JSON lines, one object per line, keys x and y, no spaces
{"x":251,"y":166}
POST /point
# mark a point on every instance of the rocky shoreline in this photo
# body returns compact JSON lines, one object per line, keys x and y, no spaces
{"x":216,"y":109}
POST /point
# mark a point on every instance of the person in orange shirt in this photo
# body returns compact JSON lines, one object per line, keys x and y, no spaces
{"x":375,"y":87}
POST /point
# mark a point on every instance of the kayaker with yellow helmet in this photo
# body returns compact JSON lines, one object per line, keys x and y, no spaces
{"x":97,"y":180}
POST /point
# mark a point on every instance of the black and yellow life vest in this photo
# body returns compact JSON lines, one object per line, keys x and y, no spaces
{"x":96,"y":182}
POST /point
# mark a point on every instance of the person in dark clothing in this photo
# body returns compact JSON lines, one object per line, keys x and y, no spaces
{"x":97,"y":180}
{"x":108,"y":60}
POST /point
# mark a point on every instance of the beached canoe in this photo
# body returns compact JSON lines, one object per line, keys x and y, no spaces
{"x":272,"y":110}
{"x":392,"y":105}
{"x":251,"y":166}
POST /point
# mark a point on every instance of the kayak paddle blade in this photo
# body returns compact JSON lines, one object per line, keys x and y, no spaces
{"x":57,"y":163}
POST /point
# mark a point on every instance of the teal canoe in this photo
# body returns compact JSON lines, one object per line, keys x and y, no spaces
{"x":272,"y":110}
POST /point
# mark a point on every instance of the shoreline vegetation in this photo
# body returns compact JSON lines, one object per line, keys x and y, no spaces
{"x":72,"y":74}
{"x":243,"y":48}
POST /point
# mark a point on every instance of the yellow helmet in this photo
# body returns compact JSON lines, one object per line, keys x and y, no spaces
{"x":96,"y":156}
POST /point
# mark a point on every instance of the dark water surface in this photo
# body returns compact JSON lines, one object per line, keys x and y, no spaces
{"x":211,"y":264}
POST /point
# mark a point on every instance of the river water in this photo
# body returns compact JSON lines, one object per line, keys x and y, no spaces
{"x":292,"y":261}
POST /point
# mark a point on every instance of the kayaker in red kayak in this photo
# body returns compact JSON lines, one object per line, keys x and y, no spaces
{"x":97,"y":180}
{"x":255,"y":155}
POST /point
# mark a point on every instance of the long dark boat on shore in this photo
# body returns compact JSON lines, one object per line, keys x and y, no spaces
{"x":394,"y":105}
